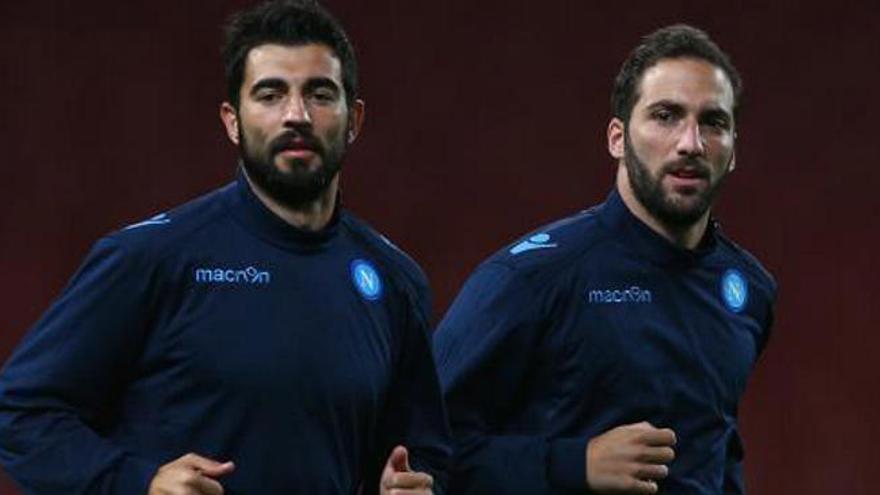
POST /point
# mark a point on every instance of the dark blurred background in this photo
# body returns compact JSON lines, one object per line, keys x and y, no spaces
{"x":485,"y":119}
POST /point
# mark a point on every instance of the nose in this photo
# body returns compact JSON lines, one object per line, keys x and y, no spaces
{"x":296,"y":112}
{"x":690,"y":142}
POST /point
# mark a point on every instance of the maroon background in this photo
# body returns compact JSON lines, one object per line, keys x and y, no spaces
{"x":485,"y":119}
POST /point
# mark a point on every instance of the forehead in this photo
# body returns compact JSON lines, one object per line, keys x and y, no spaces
{"x":688,"y":81}
{"x":291,"y":62}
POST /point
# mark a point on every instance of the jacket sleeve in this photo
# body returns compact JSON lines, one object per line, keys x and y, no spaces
{"x":60,"y":386}
{"x":414,"y":415}
{"x":485,"y":347}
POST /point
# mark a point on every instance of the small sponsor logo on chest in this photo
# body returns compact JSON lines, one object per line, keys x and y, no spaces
{"x":232,"y":276}
{"x":628,"y":295}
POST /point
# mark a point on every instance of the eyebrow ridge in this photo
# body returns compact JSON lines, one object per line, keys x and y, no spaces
{"x":270,"y":82}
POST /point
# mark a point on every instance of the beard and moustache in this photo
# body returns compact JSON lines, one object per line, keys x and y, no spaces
{"x":300,"y":186}
{"x":673,"y":211}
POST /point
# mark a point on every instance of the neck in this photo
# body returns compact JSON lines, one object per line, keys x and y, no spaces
{"x":684,"y":236}
{"x":310,"y":217}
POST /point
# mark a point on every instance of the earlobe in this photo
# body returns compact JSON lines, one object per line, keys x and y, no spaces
{"x":229,"y":117}
{"x":356,"y":120}
{"x":616,"y":134}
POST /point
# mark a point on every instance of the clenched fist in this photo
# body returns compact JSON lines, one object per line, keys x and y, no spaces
{"x":399,"y":479}
{"x":629,"y":459}
{"x":190,"y":475}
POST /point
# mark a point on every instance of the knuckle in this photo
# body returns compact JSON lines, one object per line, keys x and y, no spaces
{"x":632,"y":471}
{"x":630,"y":485}
{"x":190,"y":478}
{"x":395,"y":480}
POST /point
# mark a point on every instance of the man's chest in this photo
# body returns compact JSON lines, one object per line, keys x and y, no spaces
{"x":663,"y":334}
{"x":248,"y":328}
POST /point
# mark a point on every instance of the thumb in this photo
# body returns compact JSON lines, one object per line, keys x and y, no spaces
{"x":219,"y":470}
{"x":212,"y":468}
{"x":399,"y":459}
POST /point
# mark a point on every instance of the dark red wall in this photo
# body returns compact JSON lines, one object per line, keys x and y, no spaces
{"x":485,"y":119}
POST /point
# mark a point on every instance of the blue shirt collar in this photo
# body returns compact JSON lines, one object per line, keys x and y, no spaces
{"x":637,"y":236}
{"x":247,"y":208}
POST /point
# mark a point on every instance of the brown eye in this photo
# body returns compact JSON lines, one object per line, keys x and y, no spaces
{"x":324,"y":96}
{"x":268,"y":96}
{"x":663,"y":116}
{"x":718,"y":123}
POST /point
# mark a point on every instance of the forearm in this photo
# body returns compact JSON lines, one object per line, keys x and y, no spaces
{"x":53,"y":452}
{"x":66,"y":373}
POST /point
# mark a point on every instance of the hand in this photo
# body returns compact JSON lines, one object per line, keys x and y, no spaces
{"x":399,"y":479}
{"x":629,"y":459}
{"x":190,"y":475}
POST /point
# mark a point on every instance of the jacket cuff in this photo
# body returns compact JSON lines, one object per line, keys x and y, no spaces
{"x":134,"y":475}
{"x":567,"y":461}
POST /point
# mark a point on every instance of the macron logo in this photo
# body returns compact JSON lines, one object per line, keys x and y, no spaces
{"x":633,"y":294}
{"x":245,"y":276}
{"x":537,"y":241}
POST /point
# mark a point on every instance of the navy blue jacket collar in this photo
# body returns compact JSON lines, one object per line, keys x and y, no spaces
{"x":256,"y":217}
{"x":637,"y":236}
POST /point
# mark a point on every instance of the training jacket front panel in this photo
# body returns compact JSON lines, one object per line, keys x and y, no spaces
{"x":219,"y":329}
{"x":591,"y":323}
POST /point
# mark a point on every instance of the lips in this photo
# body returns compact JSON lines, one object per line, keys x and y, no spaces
{"x":301,"y":153}
{"x":295,"y":145}
{"x":687,"y":178}
{"x":688,"y":174}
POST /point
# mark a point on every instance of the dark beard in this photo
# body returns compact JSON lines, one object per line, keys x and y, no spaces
{"x":298,"y":188}
{"x":649,"y":191}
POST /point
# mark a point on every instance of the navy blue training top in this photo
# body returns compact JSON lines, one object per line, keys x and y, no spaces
{"x":590,"y":323}
{"x":218,"y":328}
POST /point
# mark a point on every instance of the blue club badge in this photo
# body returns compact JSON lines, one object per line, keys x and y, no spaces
{"x":734,"y":290}
{"x":366,"y":279}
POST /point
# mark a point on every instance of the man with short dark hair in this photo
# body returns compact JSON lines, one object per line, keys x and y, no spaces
{"x":607,"y":352}
{"x":259,"y":339}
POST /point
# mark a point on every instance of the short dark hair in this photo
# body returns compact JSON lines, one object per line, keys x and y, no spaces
{"x":677,"y":41}
{"x":285,"y":22}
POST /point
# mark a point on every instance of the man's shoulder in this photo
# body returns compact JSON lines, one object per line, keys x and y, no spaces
{"x":170,"y":229}
{"x":556,"y":245}
{"x":389,"y":255}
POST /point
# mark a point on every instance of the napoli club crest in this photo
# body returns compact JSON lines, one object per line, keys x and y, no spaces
{"x":366,"y":279}
{"x":734,"y":290}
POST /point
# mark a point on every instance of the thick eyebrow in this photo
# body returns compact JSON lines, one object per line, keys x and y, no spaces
{"x":321,"y":82}
{"x":281,"y":84}
{"x":668,"y":104}
{"x":269,"y":83}
{"x":716,"y":112}
{"x":709,"y":112}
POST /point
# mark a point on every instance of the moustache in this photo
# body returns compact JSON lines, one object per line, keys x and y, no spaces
{"x":296,"y":141}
